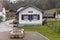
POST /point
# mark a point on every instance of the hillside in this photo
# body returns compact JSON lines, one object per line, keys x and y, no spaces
{"x":52,"y":10}
{"x":42,"y":4}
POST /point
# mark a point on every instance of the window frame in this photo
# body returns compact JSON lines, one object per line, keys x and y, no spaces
{"x":30,"y":17}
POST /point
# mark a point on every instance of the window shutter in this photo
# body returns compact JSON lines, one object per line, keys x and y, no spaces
{"x":38,"y":17}
{"x":28,"y":17}
{"x":22,"y":17}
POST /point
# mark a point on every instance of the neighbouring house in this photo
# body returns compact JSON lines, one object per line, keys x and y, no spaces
{"x":57,"y":15}
{"x":2,"y":12}
{"x":29,"y":15}
{"x":49,"y":14}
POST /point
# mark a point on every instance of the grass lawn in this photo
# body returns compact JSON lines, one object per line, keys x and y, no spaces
{"x":44,"y":30}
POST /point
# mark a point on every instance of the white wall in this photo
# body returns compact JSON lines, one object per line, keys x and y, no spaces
{"x":39,"y":22}
{"x":3,"y":14}
{"x":57,"y":15}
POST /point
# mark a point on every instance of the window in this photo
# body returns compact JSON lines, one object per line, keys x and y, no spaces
{"x":24,"y":17}
{"x":30,"y":17}
{"x":30,"y":11}
{"x":36,"y":17}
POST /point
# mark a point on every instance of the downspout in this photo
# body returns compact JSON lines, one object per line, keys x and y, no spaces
{"x":17,"y":18}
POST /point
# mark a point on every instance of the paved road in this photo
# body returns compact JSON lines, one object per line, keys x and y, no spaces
{"x":28,"y":36}
{"x":5,"y":26}
{"x":34,"y":36}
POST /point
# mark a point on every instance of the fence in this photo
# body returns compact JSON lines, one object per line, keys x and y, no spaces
{"x":53,"y":23}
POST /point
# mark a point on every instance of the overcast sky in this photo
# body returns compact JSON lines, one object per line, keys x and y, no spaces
{"x":12,"y":0}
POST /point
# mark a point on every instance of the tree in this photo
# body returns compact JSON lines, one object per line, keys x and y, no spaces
{"x":6,"y":4}
{"x":58,"y":10}
{"x":1,"y":18}
{"x":43,"y":4}
{"x":58,"y":7}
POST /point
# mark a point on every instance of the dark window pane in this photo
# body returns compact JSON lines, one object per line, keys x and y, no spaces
{"x":38,"y":17}
{"x":35,"y":17}
{"x":22,"y":17}
{"x":31,"y":17}
{"x":30,"y":11}
{"x":25,"y":17}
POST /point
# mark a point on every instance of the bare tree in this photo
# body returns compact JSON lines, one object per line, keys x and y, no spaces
{"x":1,"y":18}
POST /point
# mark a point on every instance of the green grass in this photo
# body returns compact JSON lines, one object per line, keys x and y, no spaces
{"x":44,"y":30}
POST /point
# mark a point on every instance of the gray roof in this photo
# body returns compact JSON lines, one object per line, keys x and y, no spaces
{"x":48,"y":14}
{"x":27,"y":7}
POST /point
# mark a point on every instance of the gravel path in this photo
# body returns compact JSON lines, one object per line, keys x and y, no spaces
{"x":28,"y":36}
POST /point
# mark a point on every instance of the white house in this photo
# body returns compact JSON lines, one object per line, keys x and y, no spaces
{"x":57,"y":15}
{"x":2,"y":12}
{"x":29,"y":15}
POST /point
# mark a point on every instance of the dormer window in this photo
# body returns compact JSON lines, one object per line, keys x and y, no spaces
{"x":30,"y":11}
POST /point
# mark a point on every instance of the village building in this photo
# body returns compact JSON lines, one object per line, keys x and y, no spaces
{"x":49,"y":14}
{"x":2,"y":12}
{"x":29,"y":15}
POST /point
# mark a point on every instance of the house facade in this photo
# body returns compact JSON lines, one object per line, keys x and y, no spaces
{"x":2,"y":12}
{"x":29,"y":15}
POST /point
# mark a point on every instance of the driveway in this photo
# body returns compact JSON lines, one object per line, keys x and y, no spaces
{"x":28,"y":36}
{"x":5,"y":26}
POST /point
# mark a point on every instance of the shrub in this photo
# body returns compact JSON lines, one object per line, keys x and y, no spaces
{"x":1,"y":18}
{"x":45,"y":22}
{"x":15,"y":22}
{"x":54,"y":24}
{"x":57,"y":29}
